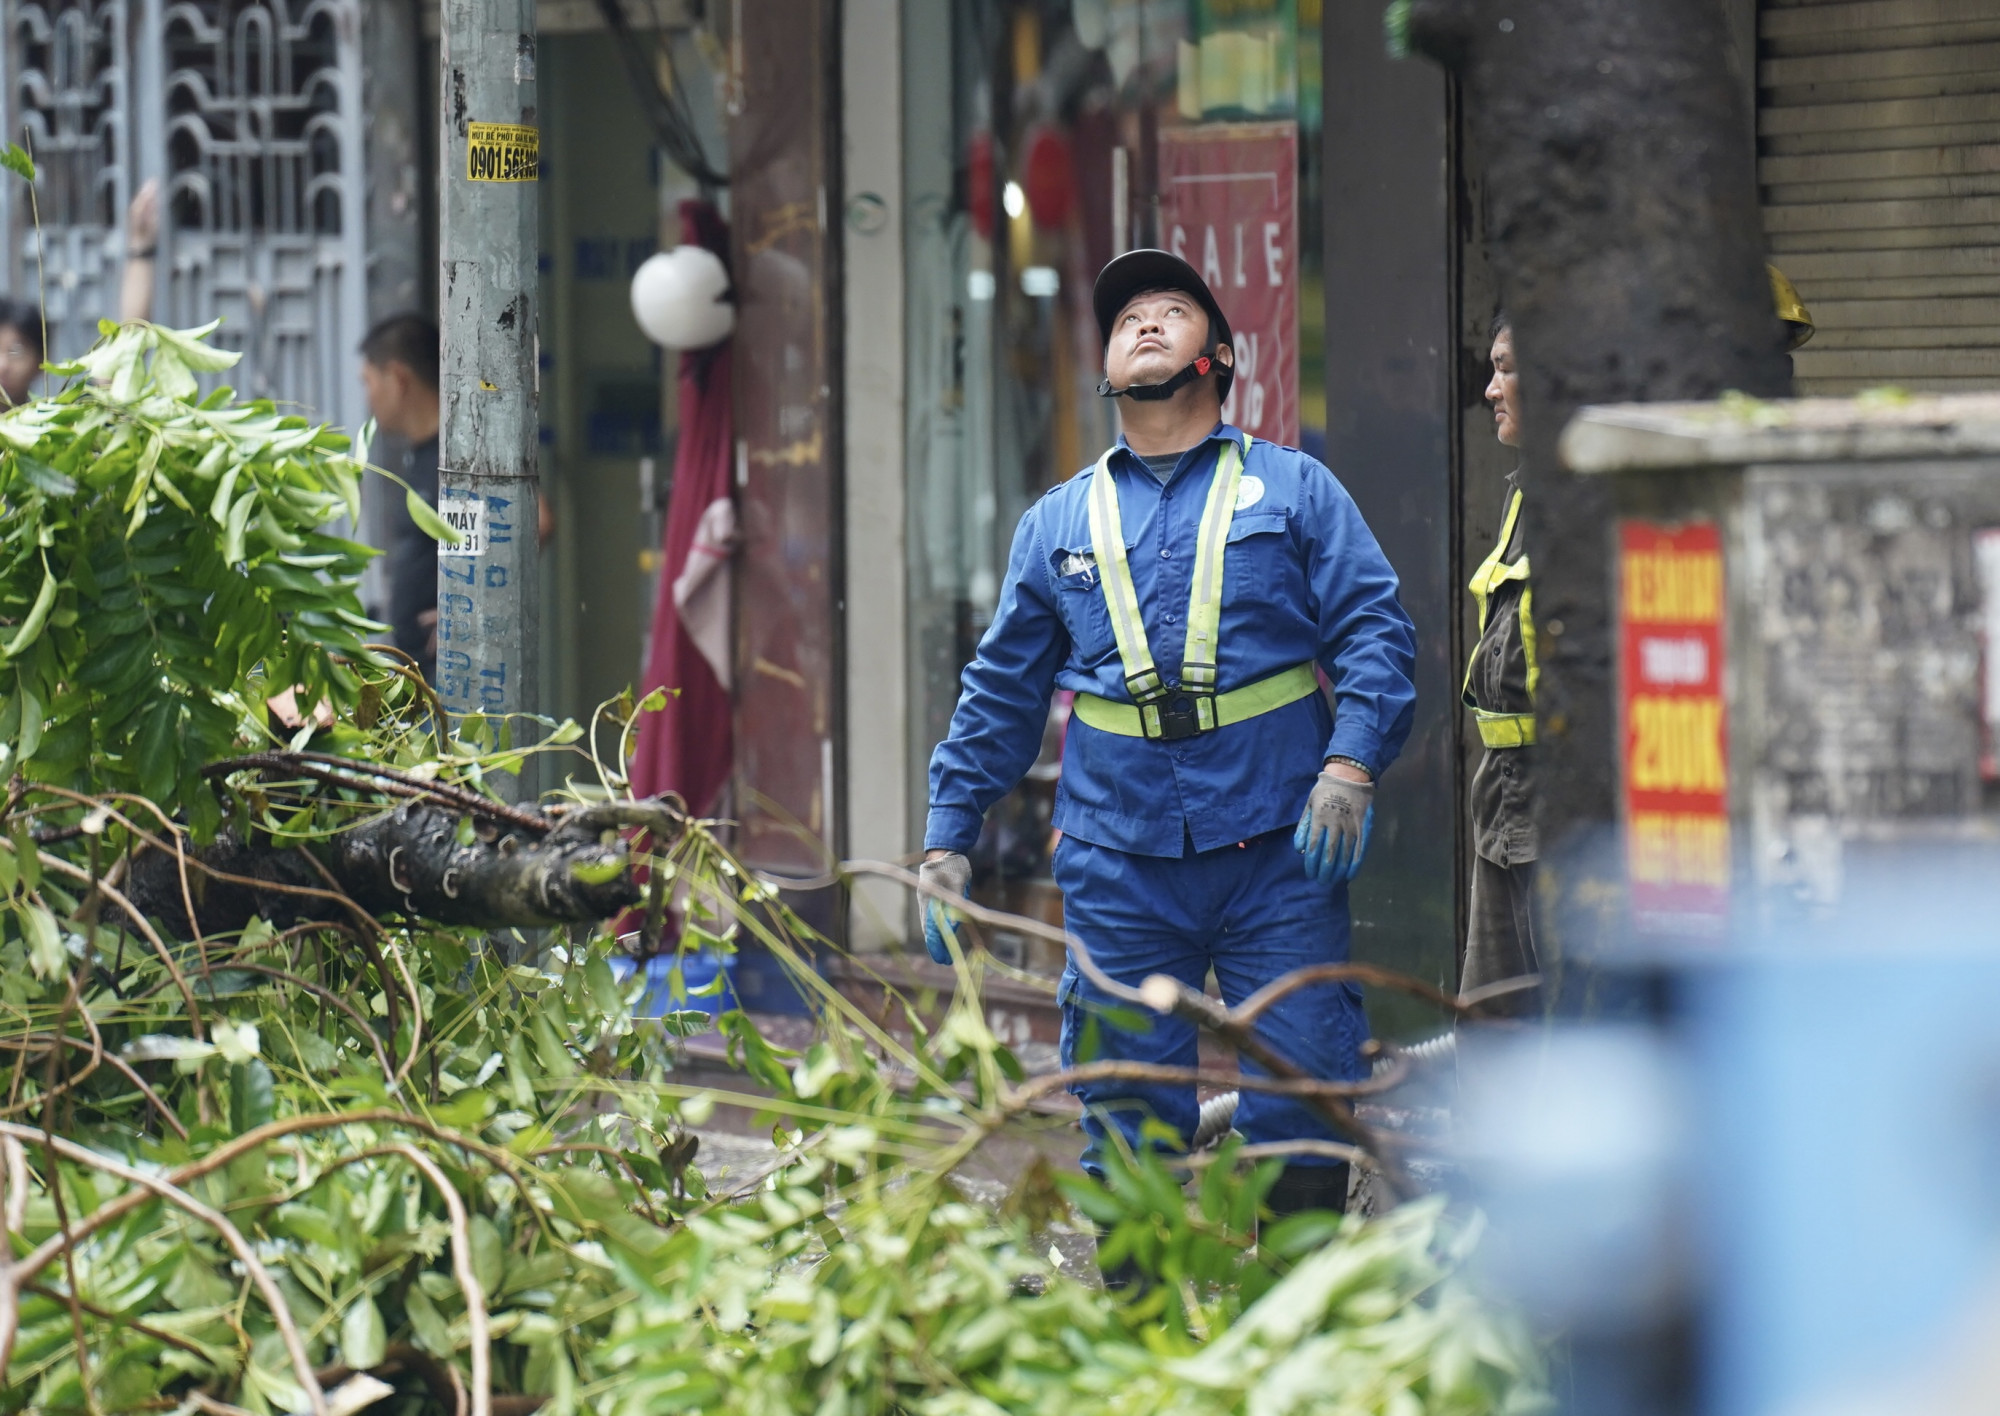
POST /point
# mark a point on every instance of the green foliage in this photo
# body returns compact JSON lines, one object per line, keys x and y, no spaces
{"x":382,"y":1145}
{"x":163,"y":567}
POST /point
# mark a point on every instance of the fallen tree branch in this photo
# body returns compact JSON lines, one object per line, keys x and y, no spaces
{"x":415,"y":862}
{"x":25,"y":1270}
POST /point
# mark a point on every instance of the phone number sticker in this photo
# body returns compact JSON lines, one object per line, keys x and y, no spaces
{"x":502,"y":152}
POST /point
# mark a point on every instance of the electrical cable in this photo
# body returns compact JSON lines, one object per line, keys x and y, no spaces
{"x":665,"y":108}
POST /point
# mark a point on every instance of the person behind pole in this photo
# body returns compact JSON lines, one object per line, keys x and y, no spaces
{"x":399,"y":369}
{"x":1212,"y":809}
{"x":20,"y":350}
{"x":1500,"y":682}
{"x":21,"y":326}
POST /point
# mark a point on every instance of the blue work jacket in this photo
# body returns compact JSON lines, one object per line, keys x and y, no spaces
{"x":1303,"y":581}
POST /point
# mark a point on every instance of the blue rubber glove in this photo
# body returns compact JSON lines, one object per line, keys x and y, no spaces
{"x":953,"y":873}
{"x":1333,"y":832}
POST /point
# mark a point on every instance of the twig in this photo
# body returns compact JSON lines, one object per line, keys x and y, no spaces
{"x":1299,"y":1086}
{"x":143,"y":1329}
{"x":630,"y":1174}
{"x":202,"y":1401}
{"x":1168,"y":995}
{"x":15,"y":1214}
{"x":468,"y":1280}
{"x":139,"y":921}
{"x":222,"y":1155}
{"x":1270,"y":1150}
{"x":173,"y":831}
{"x":61,"y":1207}
{"x":180,"y":1199}
{"x":363,"y":776}
{"x":366,"y":938}
{"x":412,"y":671}
{"x":361,"y":1023}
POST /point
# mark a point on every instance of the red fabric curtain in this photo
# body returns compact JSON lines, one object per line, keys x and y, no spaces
{"x":686,"y":746}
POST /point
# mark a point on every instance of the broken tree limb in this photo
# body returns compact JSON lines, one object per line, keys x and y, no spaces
{"x":425,"y":859}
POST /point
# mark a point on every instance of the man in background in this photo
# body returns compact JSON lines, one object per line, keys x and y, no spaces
{"x":399,"y":369}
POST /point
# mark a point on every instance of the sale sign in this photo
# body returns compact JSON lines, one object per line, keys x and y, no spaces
{"x":1671,"y":622}
{"x":1229,"y":203}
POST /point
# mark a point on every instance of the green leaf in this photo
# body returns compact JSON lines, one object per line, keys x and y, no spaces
{"x":171,"y":376}
{"x":33,"y":720}
{"x":238,"y":524}
{"x":363,"y":1337}
{"x":428,"y":521}
{"x":488,"y":1254}
{"x":46,"y":955}
{"x":219,"y":506}
{"x":38,"y":615}
{"x":42,"y":477}
{"x":252,"y":1099}
{"x":427,"y":1323}
{"x":17,"y":161}
{"x":191,"y":348}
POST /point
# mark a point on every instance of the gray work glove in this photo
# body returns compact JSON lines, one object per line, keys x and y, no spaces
{"x":952,"y":873}
{"x":1333,"y":832}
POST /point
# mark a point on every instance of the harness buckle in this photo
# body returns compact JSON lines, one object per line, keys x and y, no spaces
{"x":1181,"y":715}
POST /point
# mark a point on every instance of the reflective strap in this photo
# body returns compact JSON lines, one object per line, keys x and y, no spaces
{"x":1506,"y":729}
{"x":1121,"y":597}
{"x":1204,"y":619}
{"x":1494,"y":572}
{"x":1528,"y":640}
{"x":1237,"y":706}
{"x":1107,"y":544}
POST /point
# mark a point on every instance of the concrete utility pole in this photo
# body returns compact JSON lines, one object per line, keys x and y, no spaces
{"x":488,"y":483}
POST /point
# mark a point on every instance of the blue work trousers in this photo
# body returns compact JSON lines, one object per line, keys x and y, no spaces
{"x":1247,"y":911}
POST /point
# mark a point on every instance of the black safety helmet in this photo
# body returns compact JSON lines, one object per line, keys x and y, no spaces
{"x":1141,"y":272}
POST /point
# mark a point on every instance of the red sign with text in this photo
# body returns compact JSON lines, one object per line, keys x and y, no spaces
{"x":1229,"y":198}
{"x":1670,"y":633}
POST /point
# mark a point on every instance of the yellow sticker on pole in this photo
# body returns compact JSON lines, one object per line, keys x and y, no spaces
{"x":502,"y":152}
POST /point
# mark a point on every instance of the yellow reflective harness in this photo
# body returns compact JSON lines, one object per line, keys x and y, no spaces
{"x":1504,"y":729}
{"x":1158,"y":710}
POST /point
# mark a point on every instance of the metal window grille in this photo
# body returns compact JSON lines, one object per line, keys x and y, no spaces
{"x":249,"y":111}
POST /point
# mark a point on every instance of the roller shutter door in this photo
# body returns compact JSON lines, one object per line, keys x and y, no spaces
{"x":1879,"y":153}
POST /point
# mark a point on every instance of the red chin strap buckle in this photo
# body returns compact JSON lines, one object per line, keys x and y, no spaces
{"x":1201,"y":365}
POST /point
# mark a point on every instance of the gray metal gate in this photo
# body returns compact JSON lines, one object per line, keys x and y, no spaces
{"x":249,"y":111}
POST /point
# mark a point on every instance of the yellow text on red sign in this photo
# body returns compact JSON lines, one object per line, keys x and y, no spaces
{"x":1675,"y":745}
{"x":1672,"y":637}
{"x":1678,"y":848}
{"x":1666,"y":585}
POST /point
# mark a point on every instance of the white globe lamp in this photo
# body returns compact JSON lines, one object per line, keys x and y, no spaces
{"x":681,"y":298}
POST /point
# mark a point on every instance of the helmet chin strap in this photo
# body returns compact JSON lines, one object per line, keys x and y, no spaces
{"x":1159,"y":392}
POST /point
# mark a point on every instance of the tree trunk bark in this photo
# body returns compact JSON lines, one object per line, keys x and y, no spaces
{"x":417,"y":861}
{"x":1624,"y":228}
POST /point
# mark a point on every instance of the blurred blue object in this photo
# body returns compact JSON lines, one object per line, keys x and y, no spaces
{"x":1849,"y":1181}
{"x":1573,"y":1141}
{"x":1796,"y":1165}
{"x":765,"y":985}
{"x":698,"y":971}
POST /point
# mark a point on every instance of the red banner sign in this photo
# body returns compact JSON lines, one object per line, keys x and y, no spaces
{"x":1229,"y":203}
{"x":1671,"y":609}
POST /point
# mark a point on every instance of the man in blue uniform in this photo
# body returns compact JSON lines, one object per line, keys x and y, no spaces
{"x":1186,"y":587}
